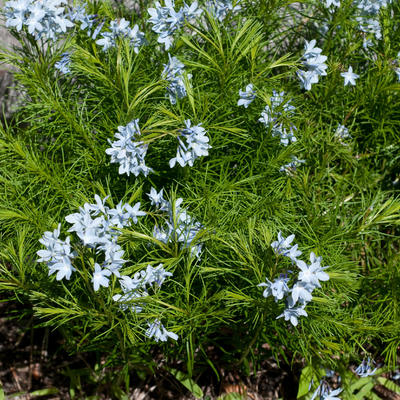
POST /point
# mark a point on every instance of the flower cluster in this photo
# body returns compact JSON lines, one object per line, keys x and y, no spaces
{"x":156,"y":329}
{"x":291,"y":167}
{"x":196,"y":145}
{"x":64,"y":64}
{"x":220,"y":8}
{"x":365,"y":368}
{"x":101,"y":233}
{"x":120,"y":29}
{"x":314,"y":61}
{"x":87,"y":21}
{"x":342,"y":133}
{"x":129,"y":152}
{"x":179,"y":226}
{"x":269,"y":117}
{"x":43,"y":19}
{"x":137,"y":287}
{"x":173,"y":73}
{"x":97,"y":225}
{"x":308,"y":279}
{"x":247,"y":96}
{"x":368,"y":19}
{"x":57,"y":254}
{"x":166,"y":20}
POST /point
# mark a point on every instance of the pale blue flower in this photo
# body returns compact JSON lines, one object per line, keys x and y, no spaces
{"x":316,"y":64}
{"x":310,"y":50}
{"x":156,"y":199}
{"x":78,"y":14}
{"x":367,"y":43}
{"x":57,"y":255}
{"x":342,"y":132}
{"x":89,"y":230}
{"x":371,"y":7}
{"x":99,"y":207}
{"x":293,"y":253}
{"x":332,"y":395}
{"x":157,"y":331}
{"x":307,"y":78}
{"x":16,"y":13}
{"x":192,"y":12}
{"x":349,"y":77}
{"x":100,"y":277}
{"x":63,"y":267}
{"x":293,"y":314}
{"x":107,"y":41}
{"x":312,"y":273}
{"x":196,"y":145}
{"x":136,"y":38}
{"x":179,"y":227}
{"x":159,"y":18}
{"x":128,"y":152}
{"x":156,"y":275}
{"x":282,"y":245}
{"x":120,"y":29}
{"x":314,"y":61}
{"x":301,"y":291}
{"x":95,"y":224}
{"x":134,"y":212}
{"x":127,"y":300}
{"x":42,"y":19}
{"x":286,"y":136}
{"x":247,"y":96}
{"x":118,"y":217}
{"x":173,"y":73}
{"x":64,"y":64}
{"x":113,"y":259}
{"x":321,"y":391}
{"x":278,"y":288}
{"x":97,"y":30}
{"x":291,"y":167}
{"x":270,"y":114}
{"x":220,"y":8}
{"x":166,"y":20}
{"x":365,"y":368}
{"x":53,"y":245}
{"x":370,"y":26}
{"x":37,"y":13}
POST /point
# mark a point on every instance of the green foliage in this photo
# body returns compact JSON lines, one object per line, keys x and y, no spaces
{"x":343,"y":204}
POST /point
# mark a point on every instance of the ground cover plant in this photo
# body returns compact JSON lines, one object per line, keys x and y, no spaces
{"x":200,"y":186}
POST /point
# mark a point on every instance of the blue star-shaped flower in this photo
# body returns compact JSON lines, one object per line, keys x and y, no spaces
{"x":350,"y":77}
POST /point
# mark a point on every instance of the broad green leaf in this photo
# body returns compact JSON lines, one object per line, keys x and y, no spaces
{"x":306,"y":376}
{"x":189,"y":383}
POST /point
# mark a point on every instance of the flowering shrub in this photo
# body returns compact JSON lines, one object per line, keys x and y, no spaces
{"x":206,"y":133}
